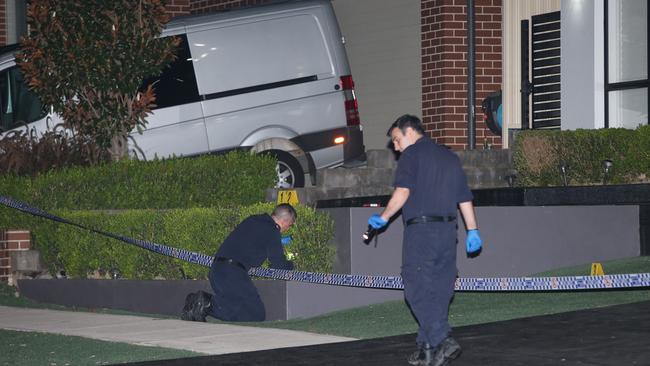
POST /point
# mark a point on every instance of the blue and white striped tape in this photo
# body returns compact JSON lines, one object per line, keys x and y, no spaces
{"x":384,"y":282}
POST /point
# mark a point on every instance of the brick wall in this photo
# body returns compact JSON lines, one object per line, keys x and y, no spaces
{"x":444,"y":68}
{"x":11,"y":240}
{"x":185,"y":7}
{"x":178,"y":7}
{"x":3,"y":23}
{"x":208,"y":6}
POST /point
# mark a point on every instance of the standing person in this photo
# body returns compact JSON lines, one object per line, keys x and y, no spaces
{"x":430,"y":185}
{"x":235,"y":297}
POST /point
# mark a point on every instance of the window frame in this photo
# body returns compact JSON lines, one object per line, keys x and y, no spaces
{"x":623,"y":85}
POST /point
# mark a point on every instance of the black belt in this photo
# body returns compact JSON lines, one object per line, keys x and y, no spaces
{"x":423,"y":219}
{"x":231,"y":261}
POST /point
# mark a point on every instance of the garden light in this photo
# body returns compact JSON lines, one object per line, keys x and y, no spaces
{"x":607,"y":165}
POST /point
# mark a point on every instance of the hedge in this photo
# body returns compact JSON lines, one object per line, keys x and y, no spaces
{"x":81,"y":253}
{"x":236,"y":178}
{"x":538,"y":156}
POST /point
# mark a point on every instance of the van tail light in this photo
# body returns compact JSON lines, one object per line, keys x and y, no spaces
{"x":351,"y":106}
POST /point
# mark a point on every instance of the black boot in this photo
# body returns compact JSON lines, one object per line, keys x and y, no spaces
{"x":447,"y":351}
{"x":187,"y":313}
{"x":423,"y":356}
{"x":202,"y":306}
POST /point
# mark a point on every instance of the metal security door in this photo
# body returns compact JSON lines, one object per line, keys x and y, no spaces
{"x":543,"y":61}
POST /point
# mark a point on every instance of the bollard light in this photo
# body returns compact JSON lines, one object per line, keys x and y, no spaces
{"x":607,"y":166}
{"x":564,"y":168}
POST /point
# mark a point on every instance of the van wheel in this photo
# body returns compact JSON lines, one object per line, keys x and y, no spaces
{"x":289,"y":172}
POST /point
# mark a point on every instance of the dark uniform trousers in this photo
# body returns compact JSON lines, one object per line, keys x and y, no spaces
{"x":235,"y":296}
{"x":429,"y":272}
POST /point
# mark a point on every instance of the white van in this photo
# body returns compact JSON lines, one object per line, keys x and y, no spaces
{"x":272,"y":78}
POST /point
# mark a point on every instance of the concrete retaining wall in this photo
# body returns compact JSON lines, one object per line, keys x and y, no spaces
{"x":283,"y":300}
{"x":539,"y":238}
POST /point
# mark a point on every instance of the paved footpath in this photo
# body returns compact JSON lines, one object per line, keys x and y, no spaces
{"x":209,"y":338}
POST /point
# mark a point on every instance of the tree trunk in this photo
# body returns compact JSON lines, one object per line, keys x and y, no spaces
{"x":119,"y":147}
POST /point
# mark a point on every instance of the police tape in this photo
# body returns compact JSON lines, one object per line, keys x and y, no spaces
{"x":505,"y":284}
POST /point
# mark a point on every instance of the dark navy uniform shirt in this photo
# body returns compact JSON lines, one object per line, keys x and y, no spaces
{"x":253,"y":240}
{"x":434,"y":177}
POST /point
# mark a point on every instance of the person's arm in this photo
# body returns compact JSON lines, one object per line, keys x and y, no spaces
{"x":473,"y":241}
{"x":467,"y":210}
{"x":275,"y":254}
{"x":396,"y":202}
{"x":404,"y":178}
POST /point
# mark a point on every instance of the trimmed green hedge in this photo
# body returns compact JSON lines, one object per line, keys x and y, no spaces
{"x":538,"y":156}
{"x":190,"y":203}
{"x":82,"y":253}
{"x":236,"y":178}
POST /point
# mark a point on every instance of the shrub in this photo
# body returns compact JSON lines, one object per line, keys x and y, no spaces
{"x":236,"y":178}
{"x":82,"y":253}
{"x":21,"y":153}
{"x":538,"y":156}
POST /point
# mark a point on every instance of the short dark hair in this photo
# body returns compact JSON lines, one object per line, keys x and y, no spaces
{"x":285,"y":210}
{"x":407,"y":120}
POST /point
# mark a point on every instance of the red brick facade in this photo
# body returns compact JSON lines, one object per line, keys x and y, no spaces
{"x":10,"y":241}
{"x":444,"y":68}
{"x":178,"y":7}
{"x":3,"y":23}
{"x":208,"y":6}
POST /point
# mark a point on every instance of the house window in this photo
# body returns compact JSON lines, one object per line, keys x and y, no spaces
{"x":626,"y":67}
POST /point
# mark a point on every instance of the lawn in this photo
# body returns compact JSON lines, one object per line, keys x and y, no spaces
{"x":394,"y":318}
{"x":31,"y":348}
{"x":467,"y":308}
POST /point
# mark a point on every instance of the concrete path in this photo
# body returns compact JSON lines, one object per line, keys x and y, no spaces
{"x":209,"y":338}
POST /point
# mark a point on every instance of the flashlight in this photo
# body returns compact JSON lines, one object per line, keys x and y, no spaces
{"x":369,"y":234}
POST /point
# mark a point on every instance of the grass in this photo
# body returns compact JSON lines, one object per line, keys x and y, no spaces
{"x":393,"y":318}
{"x":31,"y":348}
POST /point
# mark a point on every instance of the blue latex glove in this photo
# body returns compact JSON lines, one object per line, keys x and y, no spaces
{"x":376,"y":221}
{"x":286,"y":240}
{"x":473,"y":241}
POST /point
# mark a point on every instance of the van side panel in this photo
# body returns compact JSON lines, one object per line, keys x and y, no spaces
{"x":295,"y":116}
{"x":262,"y":52}
{"x":178,"y":130}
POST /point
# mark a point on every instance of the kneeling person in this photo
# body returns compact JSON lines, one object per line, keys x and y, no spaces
{"x":235,"y":297}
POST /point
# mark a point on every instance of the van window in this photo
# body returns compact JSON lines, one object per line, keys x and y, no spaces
{"x":177,"y":83}
{"x":18,"y":105}
{"x":260,"y":52}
